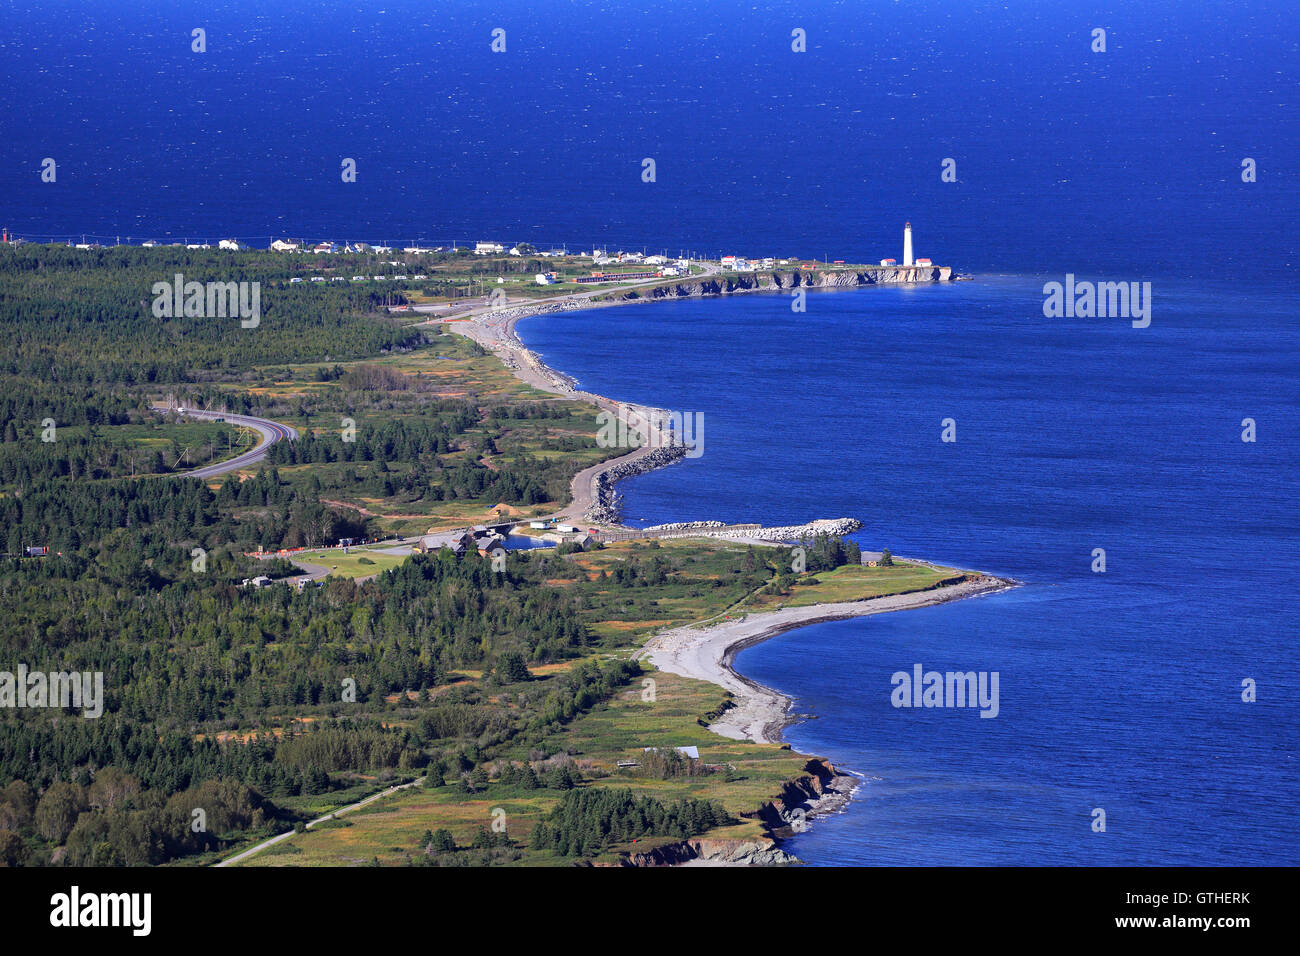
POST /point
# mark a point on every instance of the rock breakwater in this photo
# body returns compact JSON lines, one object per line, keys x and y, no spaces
{"x":608,"y":505}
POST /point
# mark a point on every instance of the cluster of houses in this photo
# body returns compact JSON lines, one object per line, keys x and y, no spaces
{"x":741,"y":264}
{"x":419,"y":277}
{"x":666,"y":266}
{"x":262,"y":581}
{"x":562,"y":533}
{"x":329,"y":248}
{"x":523,"y":249}
{"x":489,"y":540}
{"x":486,"y":541}
{"x":658,"y":266}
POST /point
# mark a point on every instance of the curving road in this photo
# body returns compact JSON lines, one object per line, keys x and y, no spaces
{"x":269,"y":432}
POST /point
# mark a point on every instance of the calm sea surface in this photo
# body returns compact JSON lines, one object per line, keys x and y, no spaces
{"x":1118,"y":690}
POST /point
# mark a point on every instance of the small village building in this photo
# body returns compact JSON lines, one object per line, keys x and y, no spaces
{"x":492,"y":549}
{"x":692,"y":752}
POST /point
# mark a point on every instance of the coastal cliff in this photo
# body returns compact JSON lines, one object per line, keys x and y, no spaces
{"x":782,"y":281}
{"x":819,"y":791}
{"x":822,"y":789}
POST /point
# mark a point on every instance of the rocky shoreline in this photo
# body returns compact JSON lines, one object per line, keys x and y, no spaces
{"x":831,"y":527}
{"x":728,"y":283}
{"x":608,"y":505}
{"x":820,"y":791}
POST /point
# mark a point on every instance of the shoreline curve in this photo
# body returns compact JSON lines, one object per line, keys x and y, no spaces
{"x":760,"y":712}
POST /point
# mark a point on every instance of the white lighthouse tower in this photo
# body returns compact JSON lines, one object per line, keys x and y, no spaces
{"x":907,"y":244}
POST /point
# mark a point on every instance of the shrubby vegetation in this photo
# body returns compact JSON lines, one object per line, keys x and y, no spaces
{"x":586,"y":822}
{"x":229,"y":699}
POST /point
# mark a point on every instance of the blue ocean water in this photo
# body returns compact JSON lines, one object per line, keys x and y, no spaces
{"x":1119,"y":690}
{"x":1065,"y":158}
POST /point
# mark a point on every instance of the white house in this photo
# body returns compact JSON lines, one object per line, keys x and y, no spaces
{"x":488,"y":249}
{"x":228,"y":244}
{"x":283,"y":245}
{"x":692,"y":752}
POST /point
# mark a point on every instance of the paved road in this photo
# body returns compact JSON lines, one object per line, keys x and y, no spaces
{"x":269,"y":433}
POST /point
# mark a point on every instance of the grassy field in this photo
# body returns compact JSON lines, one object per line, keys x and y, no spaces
{"x":703,"y":578}
{"x":451,"y":368}
{"x":390,"y":830}
{"x":853,"y":583}
{"x":357,"y":563}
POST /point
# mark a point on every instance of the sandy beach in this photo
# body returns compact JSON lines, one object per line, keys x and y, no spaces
{"x":494,"y":329}
{"x":760,"y":712}
{"x":701,"y":653}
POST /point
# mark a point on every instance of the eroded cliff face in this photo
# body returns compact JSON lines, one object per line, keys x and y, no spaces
{"x":761,"y":852}
{"x":820,"y":789}
{"x":781,"y":281}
